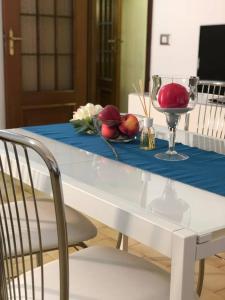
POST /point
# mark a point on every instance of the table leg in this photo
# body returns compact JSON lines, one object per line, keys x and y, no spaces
{"x":183,"y":265}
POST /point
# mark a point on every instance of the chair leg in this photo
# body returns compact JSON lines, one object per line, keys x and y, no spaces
{"x":82,"y":245}
{"x":39,"y":259}
{"x":122,"y":242}
{"x":38,"y":255}
{"x":119,"y":240}
{"x":201,"y":276}
{"x":220,"y":257}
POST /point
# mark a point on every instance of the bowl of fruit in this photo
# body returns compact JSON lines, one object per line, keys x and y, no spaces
{"x":115,"y":126}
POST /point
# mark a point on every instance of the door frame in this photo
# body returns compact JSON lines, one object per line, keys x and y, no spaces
{"x":148,"y":44}
{"x":92,"y":55}
{"x":93,"y":50}
{"x":11,"y":115}
{"x":92,"y":39}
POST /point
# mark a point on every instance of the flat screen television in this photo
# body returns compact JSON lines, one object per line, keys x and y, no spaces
{"x":212,"y":53}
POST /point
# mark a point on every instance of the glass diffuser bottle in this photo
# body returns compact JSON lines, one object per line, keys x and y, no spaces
{"x":147,"y":138}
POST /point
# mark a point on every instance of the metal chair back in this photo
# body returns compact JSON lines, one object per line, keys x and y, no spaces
{"x":12,"y":257}
{"x":210,"y":109}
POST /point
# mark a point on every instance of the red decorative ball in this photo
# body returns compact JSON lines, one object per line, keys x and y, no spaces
{"x":173,"y":95}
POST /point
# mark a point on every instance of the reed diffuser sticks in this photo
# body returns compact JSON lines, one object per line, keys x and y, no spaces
{"x":146,"y":106}
{"x":147,"y":140}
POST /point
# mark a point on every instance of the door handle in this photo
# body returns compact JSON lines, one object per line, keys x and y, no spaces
{"x":12,"y":40}
{"x":115,"y":44}
{"x":113,"y":41}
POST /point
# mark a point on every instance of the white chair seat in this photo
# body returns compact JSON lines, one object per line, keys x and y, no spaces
{"x":101,"y":273}
{"x":79,"y":228}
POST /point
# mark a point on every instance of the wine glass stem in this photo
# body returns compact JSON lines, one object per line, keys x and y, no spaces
{"x":172,"y":138}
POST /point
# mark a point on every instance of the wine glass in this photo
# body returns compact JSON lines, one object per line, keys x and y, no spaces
{"x":173,"y":97}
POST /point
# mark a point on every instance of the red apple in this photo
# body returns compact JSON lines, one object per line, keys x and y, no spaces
{"x":173,"y":95}
{"x":108,"y":114}
{"x":129,"y":125}
{"x":109,"y":132}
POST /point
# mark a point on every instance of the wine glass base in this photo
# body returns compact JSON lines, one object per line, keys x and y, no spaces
{"x":171,"y":156}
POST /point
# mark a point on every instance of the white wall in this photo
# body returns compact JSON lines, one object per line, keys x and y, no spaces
{"x":181,"y":19}
{"x":133,"y":47}
{"x":2,"y":95}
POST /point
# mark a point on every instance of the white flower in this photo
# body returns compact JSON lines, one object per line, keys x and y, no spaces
{"x":80,"y":114}
{"x":90,"y":108}
{"x":87,"y":111}
{"x":98,"y":108}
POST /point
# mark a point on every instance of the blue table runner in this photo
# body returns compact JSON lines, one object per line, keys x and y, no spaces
{"x":204,"y":169}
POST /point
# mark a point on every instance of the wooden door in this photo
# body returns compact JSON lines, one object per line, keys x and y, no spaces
{"x":45,"y":43}
{"x":108,"y":53}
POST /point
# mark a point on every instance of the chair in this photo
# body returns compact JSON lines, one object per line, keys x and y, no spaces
{"x":79,"y":227}
{"x":208,"y":118}
{"x":93,"y":273}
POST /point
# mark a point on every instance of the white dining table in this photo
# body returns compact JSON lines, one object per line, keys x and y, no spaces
{"x":178,"y":220}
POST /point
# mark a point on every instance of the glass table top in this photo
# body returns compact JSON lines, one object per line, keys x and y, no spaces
{"x":141,"y":192}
